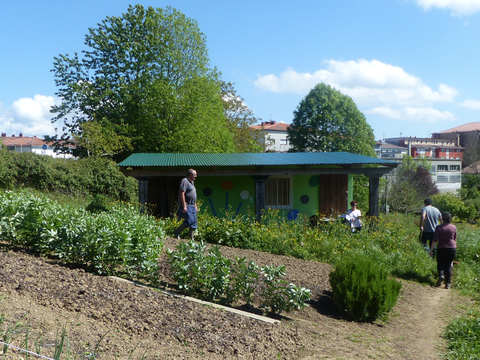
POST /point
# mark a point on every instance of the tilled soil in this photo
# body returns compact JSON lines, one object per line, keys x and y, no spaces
{"x":117,"y":320}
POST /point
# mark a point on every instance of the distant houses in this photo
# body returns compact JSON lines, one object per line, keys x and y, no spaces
{"x":33,"y":144}
{"x":445,"y":157}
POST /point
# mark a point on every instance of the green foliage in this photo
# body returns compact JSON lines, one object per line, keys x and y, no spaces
{"x":470,"y":187}
{"x":327,"y":120}
{"x":85,"y":178}
{"x":455,"y":206}
{"x":392,"y":241}
{"x":361,"y":190}
{"x":362,"y":289}
{"x":146,"y":83}
{"x":211,"y":276}
{"x":463,"y":336}
{"x":98,"y":204}
{"x":117,"y":242}
{"x":244,"y":278}
{"x":198,"y":272}
{"x":411,"y":184}
{"x":239,"y":119}
{"x":277,"y":295}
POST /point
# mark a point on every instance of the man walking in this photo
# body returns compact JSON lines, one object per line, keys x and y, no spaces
{"x":429,"y":220}
{"x":187,"y":200}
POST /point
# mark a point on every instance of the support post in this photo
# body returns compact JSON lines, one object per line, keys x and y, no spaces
{"x":374,"y":196}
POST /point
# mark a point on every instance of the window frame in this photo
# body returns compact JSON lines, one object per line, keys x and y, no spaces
{"x":268,"y":183}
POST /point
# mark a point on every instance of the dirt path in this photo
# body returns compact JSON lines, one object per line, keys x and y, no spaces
{"x":45,"y":295}
{"x":429,"y":325}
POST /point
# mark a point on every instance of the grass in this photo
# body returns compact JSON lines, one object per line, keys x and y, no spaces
{"x":463,"y":336}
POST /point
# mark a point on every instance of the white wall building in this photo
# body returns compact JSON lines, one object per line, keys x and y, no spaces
{"x":31,"y":144}
{"x":274,"y":136}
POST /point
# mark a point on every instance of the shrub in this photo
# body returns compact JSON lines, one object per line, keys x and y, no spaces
{"x":362,"y":289}
{"x":85,"y":177}
{"x":455,"y":206}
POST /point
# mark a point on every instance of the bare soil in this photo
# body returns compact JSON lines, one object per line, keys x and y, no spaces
{"x":117,"y":320}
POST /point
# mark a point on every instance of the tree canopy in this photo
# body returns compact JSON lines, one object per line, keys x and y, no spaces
{"x":411,"y":184}
{"x":327,"y":120}
{"x":145,"y":81}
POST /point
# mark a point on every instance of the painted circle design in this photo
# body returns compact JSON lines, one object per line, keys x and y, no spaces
{"x":244,"y":194}
{"x":292,"y":214}
{"x":227,"y":185}
{"x":314,"y":180}
{"x":207,"y":191}
{"x":304,"y":199}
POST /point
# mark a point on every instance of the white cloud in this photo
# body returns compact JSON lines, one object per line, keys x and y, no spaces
{"x":472,"y":104}
{"x":428,"y":115}
{"x":367,"y":82}
{"x":28,"y":116}
{"x":457,"y":7}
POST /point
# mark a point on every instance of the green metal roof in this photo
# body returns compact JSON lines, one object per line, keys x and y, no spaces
{"x":251,"y":159}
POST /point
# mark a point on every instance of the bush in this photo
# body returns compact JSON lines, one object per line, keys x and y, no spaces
{"x":85,"y":178}
{"x":455,"y":206}
{"x":362,"y":289}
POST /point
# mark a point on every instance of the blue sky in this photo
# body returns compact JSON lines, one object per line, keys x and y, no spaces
{"x":411,"y":66}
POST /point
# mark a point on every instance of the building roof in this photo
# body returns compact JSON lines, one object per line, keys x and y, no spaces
{"x":22,"y":141}
{"x":473,"y":126}
{"x":271,"y":126}
{"x":472,"y":168}
{"x":385,"y":145}
{"x":251,"y":159}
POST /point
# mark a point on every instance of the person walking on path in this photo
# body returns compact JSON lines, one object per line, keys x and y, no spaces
{"x":187,"y":202}
{"x":428,"y":222}
{"x":446,"y":240}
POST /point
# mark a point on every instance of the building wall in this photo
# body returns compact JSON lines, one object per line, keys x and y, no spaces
{"x":447,"y":174}
{"x":237,"y":193}
{"x":277,"y":141}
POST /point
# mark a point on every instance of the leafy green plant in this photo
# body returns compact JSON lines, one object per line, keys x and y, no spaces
{"x":244,"y":279}
{"x":277,"y":295}
{"x":198,"y":272}
{"x":209,"y":275}
{"x":363,"y":289}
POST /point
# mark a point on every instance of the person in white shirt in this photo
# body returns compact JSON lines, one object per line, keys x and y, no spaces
{"x":353,"y":217}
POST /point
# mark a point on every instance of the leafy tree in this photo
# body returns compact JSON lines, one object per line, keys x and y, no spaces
{"x":146,"y":77}
{"x":97,"y":140}
{"x":327,"y":120}
{"x":239,"y":119}
{"x":412,"y":183}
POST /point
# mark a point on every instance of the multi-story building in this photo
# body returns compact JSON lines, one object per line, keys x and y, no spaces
{"x":444,"y":155}
{"x":274,"y":136}
{"x":461,"y":135}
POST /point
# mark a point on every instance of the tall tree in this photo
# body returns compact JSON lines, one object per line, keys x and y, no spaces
{"x":327,"y":120}
{"x":239,"y":119}
{"x":411,"y":184}
{"x":146,"y":75}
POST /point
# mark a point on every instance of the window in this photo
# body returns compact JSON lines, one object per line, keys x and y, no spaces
{"x":434,"y":168}
{"x":278,"y":192}
{"x":442,"y":179}
{"x":442,"y":168}
{"x":455,"y":179}
{"x":283,"y":142}
{"x":454,"y":167}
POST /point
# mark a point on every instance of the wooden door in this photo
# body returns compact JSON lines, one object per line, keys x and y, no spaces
{"x":333,"y":194}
